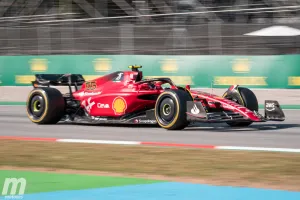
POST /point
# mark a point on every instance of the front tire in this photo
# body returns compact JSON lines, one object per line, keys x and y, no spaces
{"x":246,"y":98}
{"x":45,"y":106}
{"x":170,"y":109}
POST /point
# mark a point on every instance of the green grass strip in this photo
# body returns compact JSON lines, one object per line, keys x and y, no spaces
{"x":48,"y":182}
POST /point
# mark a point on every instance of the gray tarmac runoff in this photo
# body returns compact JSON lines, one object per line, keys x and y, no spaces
{"x":14,"y":122}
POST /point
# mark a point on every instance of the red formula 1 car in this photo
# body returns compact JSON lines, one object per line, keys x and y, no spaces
{"x":125,"y":97}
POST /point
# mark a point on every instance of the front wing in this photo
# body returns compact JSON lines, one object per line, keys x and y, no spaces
{"x":196,"y":112}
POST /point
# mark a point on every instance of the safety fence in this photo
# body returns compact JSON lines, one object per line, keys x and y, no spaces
{"x":123,"y":39}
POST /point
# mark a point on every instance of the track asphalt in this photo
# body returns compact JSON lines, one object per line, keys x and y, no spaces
{"x":14,"y":122}
{"x":46,"y":186}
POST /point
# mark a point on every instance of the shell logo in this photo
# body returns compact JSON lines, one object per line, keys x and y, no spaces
{"x":102,"y":64}
{"x":241,"y":66}
{"x":38,"y":65}
{"x":169,"y":65}
{"x":119,"y":105}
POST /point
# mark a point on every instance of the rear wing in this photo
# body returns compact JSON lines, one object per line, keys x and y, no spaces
{"x":58,"y":80}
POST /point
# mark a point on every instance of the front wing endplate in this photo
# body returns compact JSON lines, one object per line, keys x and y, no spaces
{"x":196,"y":112}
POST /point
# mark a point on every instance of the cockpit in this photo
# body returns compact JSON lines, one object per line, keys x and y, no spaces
{"x":134,"y":78}
{"x":136,"y":75}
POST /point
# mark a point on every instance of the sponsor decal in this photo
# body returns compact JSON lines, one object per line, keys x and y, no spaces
{"x":241,"y":65}
{"x":88,"y":105}
{"x":169,"y":65}
{"x":99,"y":118}
{"x":119,"y":77}
{"x":102,"y":105}
{"x":119,"y":105}
{"x":83,"y":93}
{"x":146,"y":121}
{"x":270,"y":107}
{"x":294,"y":80}
{"x":102,"y":64}
{"x":24,"y":79}
{"x":244,"y":80}
{"x":91,"y":85}
{"x":38,"y":65}
{"x":195,"y":110}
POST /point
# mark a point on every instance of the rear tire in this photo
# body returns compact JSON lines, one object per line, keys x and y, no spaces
{"x":45,"y":106}
{"x":170,"y":109}
{"x":246,"y":98}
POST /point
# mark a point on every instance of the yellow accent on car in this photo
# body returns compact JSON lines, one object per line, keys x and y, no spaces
{"x":134,"y":66}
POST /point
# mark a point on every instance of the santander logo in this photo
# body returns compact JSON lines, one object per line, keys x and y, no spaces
{"x":195,"y":110}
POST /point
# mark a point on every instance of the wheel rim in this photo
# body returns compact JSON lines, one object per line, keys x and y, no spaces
{"x":167,"y":110}
{"x":36,"y":107}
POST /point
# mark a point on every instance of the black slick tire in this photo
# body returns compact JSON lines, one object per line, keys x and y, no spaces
{"x":170,"y":109}
{"x":247,"y":98}
{"x":45,"y":105}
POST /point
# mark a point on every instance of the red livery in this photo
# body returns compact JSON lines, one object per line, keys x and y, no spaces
{"x":125,"y":97}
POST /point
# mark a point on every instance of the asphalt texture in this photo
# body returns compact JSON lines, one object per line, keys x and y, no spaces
{"x":14,"y":122}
